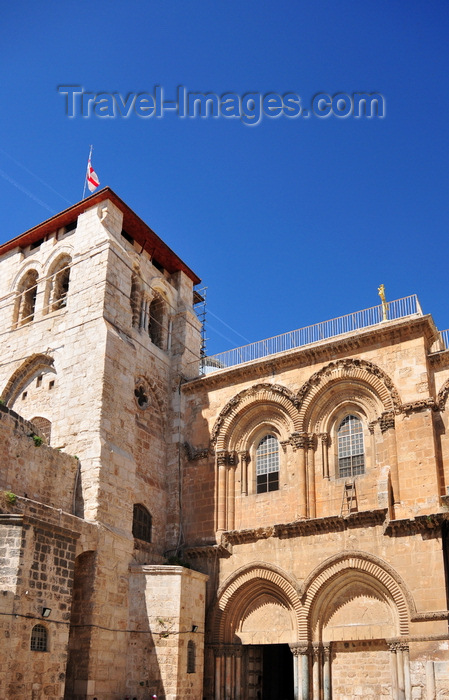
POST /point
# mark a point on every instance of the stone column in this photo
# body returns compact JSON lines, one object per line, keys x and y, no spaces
{"x":218,"y":673}
{"x":394,"y":672}
{"x":228,"y":675}
{"x":327,"y":686}
{"x":316,"y":652}
{"x":238,"y":673}
{"x":406,"y":667}
{"x":431,"y":692}
{"x":230,"y":519}
{"x":311,"y":476}
{"x":401,"y":678}
{"x":244,"y":459}
{"x":386,"y":423}
{"x":221,"y":490}
{"x":324,"y":437}
{"x":295,"y":649}
{"x":302,"y":480}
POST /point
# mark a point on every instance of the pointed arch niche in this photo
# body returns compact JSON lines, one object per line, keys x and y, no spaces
{"x":247,"y":419}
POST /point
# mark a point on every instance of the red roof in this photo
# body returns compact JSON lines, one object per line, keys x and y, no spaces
{"x":132,"y":224}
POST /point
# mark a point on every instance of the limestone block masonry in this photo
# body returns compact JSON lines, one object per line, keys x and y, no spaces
{"x":276,"y":529}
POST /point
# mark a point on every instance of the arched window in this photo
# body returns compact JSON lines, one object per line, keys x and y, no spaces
{"x":61,"y":282}
{"x":26,"y":301}
{"x":38,"y":638}
{"x":191,"y":657}
{"x":135,"y":298}
{"x":58,"y":284}
{"x":156,"y":321}
{"x":351,"y":454}
{"x":142,"y":523}
{"x":42,"y":424}
{"x":267,"y":464}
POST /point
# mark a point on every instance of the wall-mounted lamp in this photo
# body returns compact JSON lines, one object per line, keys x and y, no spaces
{"x":46,"y":612}
{"x":194,"y":628}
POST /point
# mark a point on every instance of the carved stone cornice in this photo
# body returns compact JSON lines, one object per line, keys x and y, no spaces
{"x":249,"y":535}
{"x":194,"y":453}
{"x":420,"y":523}
{"x":430,"y":616}
{"x":213,"y":551}
{"x":421,"y":405}
{"x":307,"y":527}
{"x":386,"y":421}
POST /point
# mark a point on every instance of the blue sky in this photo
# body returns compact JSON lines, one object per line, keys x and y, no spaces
{"x":288,"y":222}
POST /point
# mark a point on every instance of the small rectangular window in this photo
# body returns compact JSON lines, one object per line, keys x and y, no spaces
{"x":36,"y":244}
{"x":127,"y":237}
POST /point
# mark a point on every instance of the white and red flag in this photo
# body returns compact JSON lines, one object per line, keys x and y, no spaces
{"x":91,"y":177}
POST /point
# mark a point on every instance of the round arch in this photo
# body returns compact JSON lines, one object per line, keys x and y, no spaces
{"x":279,"y":403}
{"x":23,"y":374}
{"x":358,"y":378}
{"x":370,"y":574}
{"x":252,"y":588}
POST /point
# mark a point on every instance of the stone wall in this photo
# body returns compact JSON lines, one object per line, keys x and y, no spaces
{"x":30,"y":468}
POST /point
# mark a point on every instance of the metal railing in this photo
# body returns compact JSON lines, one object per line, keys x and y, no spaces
{"x":388,"y":311}
{"x":445,"y":338}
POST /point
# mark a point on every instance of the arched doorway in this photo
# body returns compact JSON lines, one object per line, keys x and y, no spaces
{"x":256,"y":620}
{"x":357,"y":612}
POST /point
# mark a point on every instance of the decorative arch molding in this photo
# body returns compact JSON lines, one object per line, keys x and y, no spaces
{"x":274,"y":394}
{"x":360,"y":563}
{"x":30,"y":264}
{"x":358,"y":371}
{"x":159,"y":286}
{"x":243,"y":586}
{"x":23,"y":374}
{"x":53,"y":260}
{"x":442,"y":396}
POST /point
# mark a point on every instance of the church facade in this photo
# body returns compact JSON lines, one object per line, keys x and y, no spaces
{"x":270,"y":526}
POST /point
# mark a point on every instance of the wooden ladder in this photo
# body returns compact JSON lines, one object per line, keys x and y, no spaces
{"x":349,"y":499}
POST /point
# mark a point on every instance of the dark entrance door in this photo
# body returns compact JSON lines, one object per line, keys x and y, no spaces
{"x":277,"y":673}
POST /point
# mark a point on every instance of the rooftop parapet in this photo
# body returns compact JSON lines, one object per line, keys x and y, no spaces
{"x":407,"y":307}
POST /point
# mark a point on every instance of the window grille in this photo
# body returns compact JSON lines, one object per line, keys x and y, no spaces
{"x":38,"y":638}
{"x":191,"y":657}
{"x":142,"y":523}
{"x":351,"y":455}
{"x":267,"y":464}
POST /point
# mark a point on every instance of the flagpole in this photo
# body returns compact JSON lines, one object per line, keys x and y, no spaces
{"x":87,"y":170}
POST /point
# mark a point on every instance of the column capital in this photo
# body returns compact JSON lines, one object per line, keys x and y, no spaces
{"x":299,"y":648}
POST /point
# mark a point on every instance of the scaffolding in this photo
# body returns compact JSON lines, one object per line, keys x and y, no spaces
{"x":199,"y":305}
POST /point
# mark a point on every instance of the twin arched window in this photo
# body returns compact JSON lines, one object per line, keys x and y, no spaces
{"x":267,"y":464}
{"x":351,"y":453}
